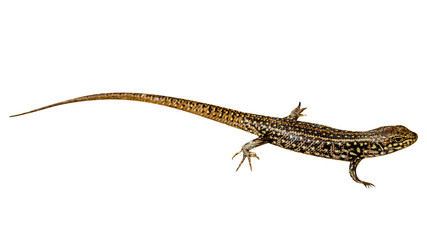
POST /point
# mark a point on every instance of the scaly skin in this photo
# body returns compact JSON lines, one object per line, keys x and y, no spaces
{"x":289,"y":133}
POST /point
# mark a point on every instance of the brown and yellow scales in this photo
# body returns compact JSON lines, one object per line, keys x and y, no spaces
{"x":309,"y":138}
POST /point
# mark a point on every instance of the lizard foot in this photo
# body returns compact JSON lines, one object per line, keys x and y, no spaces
{"x":246,"y":154}
{"x":352,"y":170}
{"x":368,"y":185}
{"x":296,"y":113}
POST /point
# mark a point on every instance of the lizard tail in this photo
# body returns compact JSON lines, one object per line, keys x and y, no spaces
{"x":102,"y":96}
{"x":241,"y":120}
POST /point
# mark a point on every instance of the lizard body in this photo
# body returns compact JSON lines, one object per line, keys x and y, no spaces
{"x":289,"y":133}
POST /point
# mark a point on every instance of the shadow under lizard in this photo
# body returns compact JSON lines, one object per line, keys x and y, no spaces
{"x":288,"y":132}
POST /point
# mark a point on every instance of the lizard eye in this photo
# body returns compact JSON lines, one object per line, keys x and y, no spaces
{"x":398,"y":139}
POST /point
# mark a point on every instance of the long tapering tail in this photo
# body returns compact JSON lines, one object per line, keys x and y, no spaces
{"x":241,"y":120}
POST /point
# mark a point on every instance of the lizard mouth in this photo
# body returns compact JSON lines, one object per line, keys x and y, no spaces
{"x":412,"y":138}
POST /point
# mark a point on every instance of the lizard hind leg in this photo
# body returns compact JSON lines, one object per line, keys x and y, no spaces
{"x":353,"y":174}
{"x":248,"y":154}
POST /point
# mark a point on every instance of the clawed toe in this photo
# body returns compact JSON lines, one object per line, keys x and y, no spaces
{"x":252,"y":154}
{"x":237,"y":153}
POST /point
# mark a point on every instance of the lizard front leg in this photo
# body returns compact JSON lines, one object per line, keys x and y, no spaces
{"x":296,"y":113}
{"x":248,"y":154}
{"x":353,"y":174}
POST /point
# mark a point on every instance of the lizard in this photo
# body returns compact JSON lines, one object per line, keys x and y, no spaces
{"x":286,"y":132}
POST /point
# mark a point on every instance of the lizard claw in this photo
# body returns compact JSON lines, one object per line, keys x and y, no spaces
{"x":246,"y":154}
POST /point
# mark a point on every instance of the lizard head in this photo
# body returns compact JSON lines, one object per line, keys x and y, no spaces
{"x":394,"y":138}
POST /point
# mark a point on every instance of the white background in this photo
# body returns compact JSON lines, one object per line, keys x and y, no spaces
{"x":130,"y":170}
